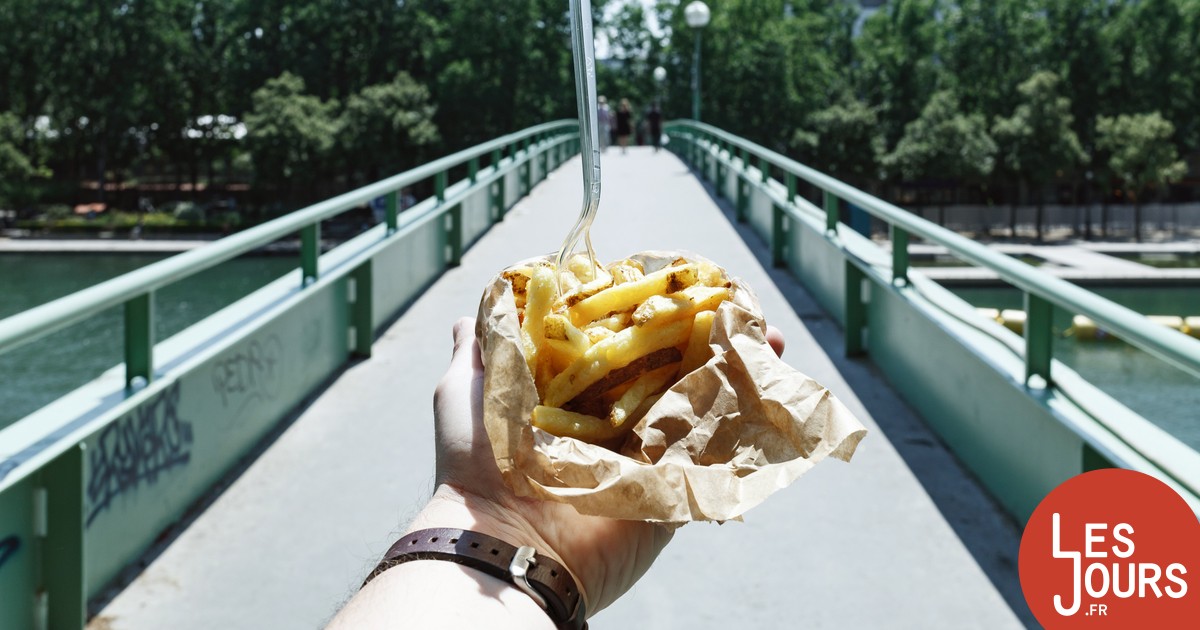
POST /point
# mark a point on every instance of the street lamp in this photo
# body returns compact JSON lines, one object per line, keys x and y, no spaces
{"x":697,"y":16}
{"x":660,"y":77}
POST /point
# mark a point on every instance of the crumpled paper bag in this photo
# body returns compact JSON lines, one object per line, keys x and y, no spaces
{"x":718,"y":442}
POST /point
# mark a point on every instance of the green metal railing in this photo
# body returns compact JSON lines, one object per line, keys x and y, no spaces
{"x":991,"y":423}
{"x":1040,"y":289}
{"x":59,"y":544}
{"x":135,"y":290}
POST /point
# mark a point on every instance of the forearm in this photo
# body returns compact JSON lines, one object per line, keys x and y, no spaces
{"x":434,"y":594}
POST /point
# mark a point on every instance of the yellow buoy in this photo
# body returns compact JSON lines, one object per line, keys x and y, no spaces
{"x":1013,"y":320}
{"x":1193,"y":326}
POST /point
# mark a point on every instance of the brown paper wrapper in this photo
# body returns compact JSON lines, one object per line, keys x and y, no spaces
{"x":719,"y":442}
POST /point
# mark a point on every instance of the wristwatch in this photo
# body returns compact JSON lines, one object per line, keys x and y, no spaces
{"x":543,"y":579}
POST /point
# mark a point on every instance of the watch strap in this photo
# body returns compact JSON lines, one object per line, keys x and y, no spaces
{"x":545,"y":580}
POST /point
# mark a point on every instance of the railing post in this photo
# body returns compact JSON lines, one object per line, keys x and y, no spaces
{"x":310,"y":252}
{"x":743,"y":197}
{"x":899,"y":255}
{"x":498,"y":200}
{"x":1039,"y":343}
{"x":362,"y":311}
{"x":63,"y":555}
{"x":497,"y":156}
{"x":764,"y":169}
{"x":856,"y":310}
{"x":439,"y":186}
{"x":831,"y":211}
{"x":139,"y":338}
{"x":778,"y":235}
{"x":473,"y":169}
{"x":543,"y":164}
{"x":390,"y":215}
{"x":454,"y":235}
{"x":789,"y":180}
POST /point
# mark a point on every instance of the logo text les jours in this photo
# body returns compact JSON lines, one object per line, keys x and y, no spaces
{"x":1108,"y":572}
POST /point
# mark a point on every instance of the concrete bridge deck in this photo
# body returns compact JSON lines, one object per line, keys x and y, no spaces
{"x":900,"y":538}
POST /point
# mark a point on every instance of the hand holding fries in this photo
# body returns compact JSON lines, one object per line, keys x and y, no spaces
{"x":614,"y":339}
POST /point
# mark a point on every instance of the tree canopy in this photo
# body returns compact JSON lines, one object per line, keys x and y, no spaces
{"x":172,"y":91}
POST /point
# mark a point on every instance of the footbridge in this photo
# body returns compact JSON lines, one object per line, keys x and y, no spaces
{"x":248,"y":471}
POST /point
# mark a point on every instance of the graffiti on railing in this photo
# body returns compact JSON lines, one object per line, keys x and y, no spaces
{"x":8,"y":549}
{"x":137,"y":448}
{"x":251,"y":374}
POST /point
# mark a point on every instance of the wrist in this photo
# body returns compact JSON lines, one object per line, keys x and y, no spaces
{"x":451,"y":506}
{"x":454,"y":507}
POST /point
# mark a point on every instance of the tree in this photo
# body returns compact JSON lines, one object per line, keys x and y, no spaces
{"x":944,"y":143}
{"x":290,"y":133}
{"x":1037,"y":142}
{"x":1141,"y":154}
{"x":897,"y":70}
{"x":386,"y":128}
{"x":842,"y":139}
{"x":15,"y":166}
{"x":987,"y":47}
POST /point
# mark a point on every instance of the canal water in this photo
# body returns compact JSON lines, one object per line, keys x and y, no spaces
{"x":1159,"y":392}
{"x":36,"y":374}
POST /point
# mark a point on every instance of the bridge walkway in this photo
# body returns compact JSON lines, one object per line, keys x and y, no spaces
{"x":900,"y":538}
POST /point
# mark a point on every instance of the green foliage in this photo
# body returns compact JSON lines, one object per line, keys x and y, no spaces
{"x":1037,"y":141}
{"x":944,"y":142}
{"x":16,"y":166}
{"x":385,"y":128}
{"x":842,"y":139}
{"x":897,"y":71}
{"x":1140,"y":149}
{"x":291,"y":133}
{"x":101,"y":90}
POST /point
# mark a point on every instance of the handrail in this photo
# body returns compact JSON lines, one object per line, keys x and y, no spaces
{"x":42,"y":320}
{"x":1178,"y":350}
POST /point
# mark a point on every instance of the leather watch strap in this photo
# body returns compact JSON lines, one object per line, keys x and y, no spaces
{"x":559,"y":595}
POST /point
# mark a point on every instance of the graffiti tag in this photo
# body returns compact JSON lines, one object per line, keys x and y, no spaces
{"x":137,"y":448}
{"x":8,"y":548}
{"x":250,"y":374}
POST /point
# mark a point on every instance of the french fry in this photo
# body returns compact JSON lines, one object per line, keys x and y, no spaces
{"x":580,"y":426}
{"x":519,"y":279}
{"x":578,"y":265}
{"x":587,"y":289}
{"x":615,"y":322}
{"x":611,"y":354}
{"x":685,"y":304}
{"x":624,"y":297}
{"x":642,"y":389}
{"x":624,"y":271}
{"x":597,"y":333}
{"x":558,"y":327}
{"x":698,"y":351}
{"x":636,"y":369}
{"x":540,"y":296}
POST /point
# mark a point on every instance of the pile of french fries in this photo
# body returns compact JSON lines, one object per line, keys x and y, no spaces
{"x":604,"y":343}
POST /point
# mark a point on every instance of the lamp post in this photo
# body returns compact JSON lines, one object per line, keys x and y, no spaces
{"x":660,"y":77}
{"x":697,"y":16}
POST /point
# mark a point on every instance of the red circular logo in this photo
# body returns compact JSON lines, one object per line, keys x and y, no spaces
{"x":1112,"y":548}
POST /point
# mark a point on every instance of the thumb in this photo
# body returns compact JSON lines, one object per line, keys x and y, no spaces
{"x":464,"y":332}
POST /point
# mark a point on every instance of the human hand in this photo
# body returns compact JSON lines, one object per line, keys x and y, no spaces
{"x":605,"y":556}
